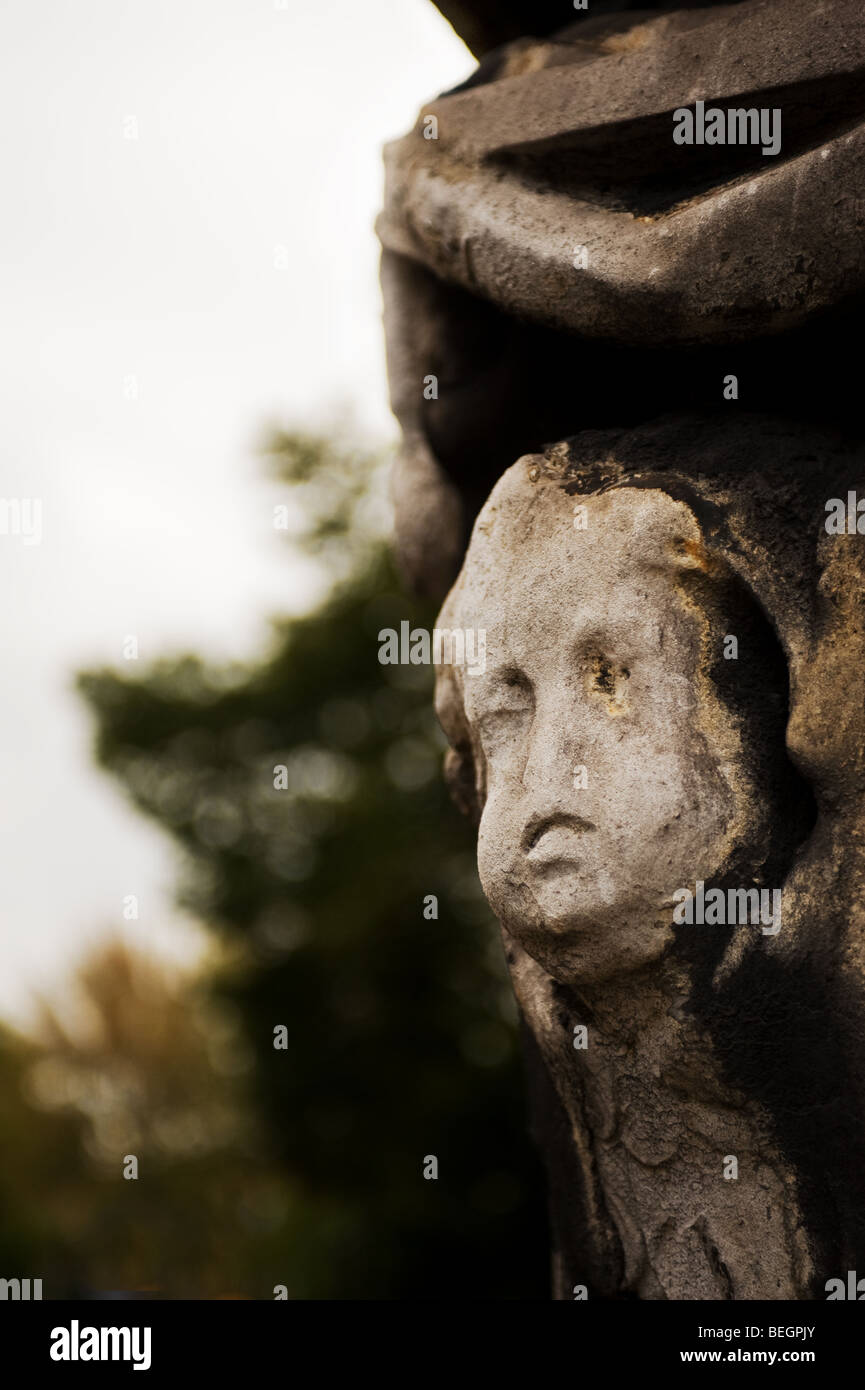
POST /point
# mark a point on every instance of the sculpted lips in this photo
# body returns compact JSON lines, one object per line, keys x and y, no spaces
{"x":554,"y":840}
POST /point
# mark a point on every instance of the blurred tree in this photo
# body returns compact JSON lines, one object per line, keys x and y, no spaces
{"x":401,"y":1035}
{"x":42,"y":1168}
{"x":156,"y":1071}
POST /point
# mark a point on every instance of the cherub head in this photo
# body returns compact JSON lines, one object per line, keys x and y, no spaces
{"x":618,"y":746}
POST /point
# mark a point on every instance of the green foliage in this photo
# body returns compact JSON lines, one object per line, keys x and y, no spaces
{"x":401,"y":1030}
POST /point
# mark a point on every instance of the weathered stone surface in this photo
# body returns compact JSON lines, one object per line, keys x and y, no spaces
{"x":605,"y":650}
{"x":699,"y":261}
{"x":569,"y":145}
{"x":486,"y":24}
{"x":557,"y":267}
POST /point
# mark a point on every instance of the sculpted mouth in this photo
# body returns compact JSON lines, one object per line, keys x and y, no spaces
{"x":554,"y":840}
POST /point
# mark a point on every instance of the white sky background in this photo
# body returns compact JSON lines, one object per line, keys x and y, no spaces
{"x":260,"y":125}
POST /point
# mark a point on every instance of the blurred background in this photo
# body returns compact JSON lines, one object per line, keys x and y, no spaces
{"x":196,"y":411}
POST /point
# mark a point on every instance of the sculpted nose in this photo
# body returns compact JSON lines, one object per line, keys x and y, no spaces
{"x":551,"y":773}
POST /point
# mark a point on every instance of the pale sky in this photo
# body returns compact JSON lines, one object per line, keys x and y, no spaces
{"x":189,"y":190}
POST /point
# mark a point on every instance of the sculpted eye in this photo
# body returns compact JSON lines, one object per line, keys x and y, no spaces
{"x":609,"y":681}
{"x":510,"y":699}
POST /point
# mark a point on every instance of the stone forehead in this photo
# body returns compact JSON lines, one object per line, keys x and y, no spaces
{"x":529,"y":520}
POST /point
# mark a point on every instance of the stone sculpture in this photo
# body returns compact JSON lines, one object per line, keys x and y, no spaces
{"x":664,"y":752}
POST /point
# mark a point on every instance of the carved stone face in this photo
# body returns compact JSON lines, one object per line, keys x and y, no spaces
{"x":609,"y":771}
